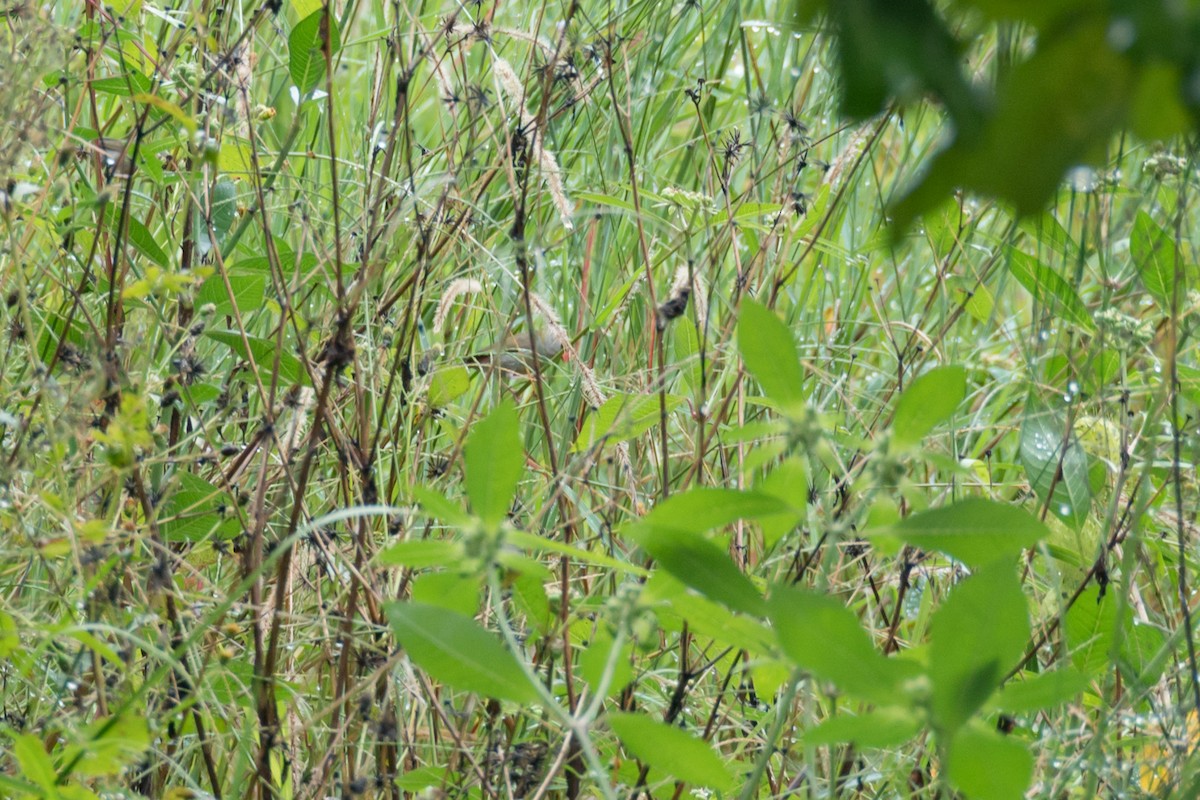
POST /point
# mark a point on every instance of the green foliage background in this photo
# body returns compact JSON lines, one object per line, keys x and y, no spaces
{"x":593,"y":399}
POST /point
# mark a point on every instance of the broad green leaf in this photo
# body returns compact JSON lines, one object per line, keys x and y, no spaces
{"x":455,"y":650}
{"x":622,"y":417}
{"x":1049,"y":289}
{"x":988,"y":766}
{"x":1056,"y":464}
{"x":33,"y":761}
{"x":1154,"y":256}
{"x":789,"y":483}
{"x":706,"y":618}
{"x":136,"y":234}
{"x":700,"y":564}
{"x":437,"y":505}
{"x":447,"y":385}
{"x":109,"y":745}
{"x":886,"y":727}
{"x":421,"y":553}
{"x":262,"y":353}
{"x":703,"y":509}
{"x":448,"y":590}
{"x":1041,"y":691}
{"x":531,"y":541}
{"x":249,"y":294}
{"x":671,"y":750}
{"x":930,"y":399}
{"x":127,"y":84}
{"x":595,"y":658}
{"x":495,"y":460}
{"x":822,"y":636}
{"x":974,"y":531}
{"x":190,"y":511}
{"x":1088,"y":628}
{"x":978,"y":634}
{"x":306,"y":49}
{"x":770,"y":354}
{"x":223,"y":213}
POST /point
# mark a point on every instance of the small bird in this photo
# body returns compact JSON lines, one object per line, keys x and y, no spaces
{"x":514,"y":355}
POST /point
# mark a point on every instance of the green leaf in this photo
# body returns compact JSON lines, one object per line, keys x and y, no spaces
{"x":886,"y":727}
{"x":988,"y":766}
{"x":33,"y":761}
{"x":262,"y":353}
{"x":495,"y":460}
{"x":447,"y":385}
{"x":109,"y":745}
{"x":594,"y":659}
{"x":824,"y":637}
{"x":974,"y":531}
{"x":900,"y":48}
{"x":137,"y":235}
{"x":1042,"y":454}
{"x":1049,"y":289}
{"x":448,"y":590}
{"x":671,"y":750}
{"x":248,"y":294}
{"x":977,"y":635}
{"x":703,"y":509}
{"x":223,"y":214}
{"x":437,"y":505}
{"x":455,"y":650}
{"x":770,"y":354}
{"x":699,"y":564}
{"x":788,"y":482}
{"x":622,"y":417}
{"x":306,"y":49}
{"x":1054,"y":111}
{"x":421,"y":553}
{"x":190,"y":511}
{"x":1041,"y":691}
{"x":127,"y":84}
{"x":930,"y":399}
{"x":1153,"y":252}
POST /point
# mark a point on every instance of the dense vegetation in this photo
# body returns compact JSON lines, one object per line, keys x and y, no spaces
{"x":594,"y":400}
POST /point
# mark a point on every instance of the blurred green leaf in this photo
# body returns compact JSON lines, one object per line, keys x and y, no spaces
{"x":975,"y":531}
{"x":770,"y":354}
{"x":495,"y":461}
{"x":249,"y":294}
{"x":421,"y":553}
{"x":900,"y":48}
{"x":447,"y":385}
{"x":455,"y":650}
{"x":1041,"y":691}
{"x":703,"y":508}
{"x":822,"y":636}
{"x":700,"y":564}
{"x":669,"y":749}
{"x":988,"y":766}
{"x":978,"y":634}
{"x":930,"y":399}
{"x":1054,"y":111}
{"x":886,"y":727}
